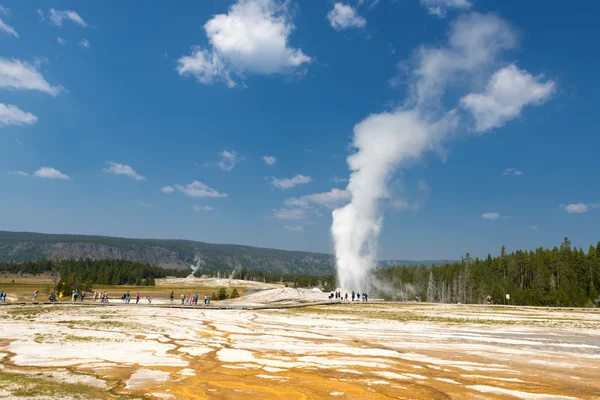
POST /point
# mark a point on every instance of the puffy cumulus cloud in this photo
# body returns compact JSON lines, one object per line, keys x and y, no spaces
{"x":287,"y":183}
{"x":386,"y":142}
{"x":12,"y":115}
{"x":198,"y":208}
{"x":123,"y":169}
{"x":19,"y":75}
{"x":512,"y":171}
{"x":439,"y":8}
{"x":578,"y":208}
{"x":167,"y":189}
{"x":8,"y":29}
{"x":228,"y":160}
{"x":269,"y":160}
{"x":508,"y":91}
{"x":251,"y":38}
{"x":294,"y":228}
{"x":198,"y":189}
{"x":51,"y":173}
{"x":343,"y":16}
{"x":57,"y":17}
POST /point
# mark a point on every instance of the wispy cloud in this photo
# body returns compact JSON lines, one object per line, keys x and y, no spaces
{"x":337,"y":179}
{"x":57,"y":17}
{"x":228,"y":160}
{"x":18,"y":173}
{"x":61,"y":41}
{"x":492,"y":215}
{"x":123,"y":169}
{"x":294,"y":228}
{"x":144,"y":204}
{"x":12,"y":115}
{"x":343,"y":16}
{"x":20,"y":75}
{"x":4,"y":27}
{"x":167,"y":189}
{"x":84,"y":43}
{"x":287,"y":183}
{"x":304,"y":207}
{"x":198,"y":189}
{"x":512,"y":171}
{"x":269,"y":160}
{"x":533,"y":227}
{"x":439,"y":8}
{"x":51,"y":173}
{"x":202,"y":208}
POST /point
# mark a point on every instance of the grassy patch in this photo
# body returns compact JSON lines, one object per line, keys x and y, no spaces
{"x":25,"y":385}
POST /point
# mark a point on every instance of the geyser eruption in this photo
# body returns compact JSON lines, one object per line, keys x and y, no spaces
{"x":195,"y":267}
{"x":391,"y":140}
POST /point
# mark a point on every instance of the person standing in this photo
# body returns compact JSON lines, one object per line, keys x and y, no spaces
{"x":35,"y":295}
{"x":82,"y":296}
{"x":137,"y":297}
{"x":172,"y":297}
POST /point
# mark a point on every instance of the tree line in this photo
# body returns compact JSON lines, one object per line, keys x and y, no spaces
{"x":563,"y":276}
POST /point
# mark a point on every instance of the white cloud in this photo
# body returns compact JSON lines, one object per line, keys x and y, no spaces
{"x":507,"y":92}
{"x":490,"y":215}
{"x":533,"y":227}
{"x":57,"y":17}
{"x":18,"y":173}
{"x":343,"y":16}
{"x":512,"y":171}
{"x":198,"y":189}
{"x":228,"y":160}
{"x":84,"y":43}
{"x":4,"y":10}
{"x":439,"y":8}
{"x":331,"y":200}
{"x":12,"y":115}
{"x":288,"y":183}
{"x":123,"y":169}
{"x":19,"y":75}
{"x":61,"y":41}
{"x":579,"y":208}
{"x":251,"y":38}
{"x":167,"y":189}
{"x":269,"y":160}
{"x":202,"y":208}
{"x":51,"y":173}
{"x":8,"y":29}
{"x":295,"y":228}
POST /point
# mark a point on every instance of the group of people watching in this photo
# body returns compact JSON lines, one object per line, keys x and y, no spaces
{"x":355,"y":296}
{"x":189,"y":299}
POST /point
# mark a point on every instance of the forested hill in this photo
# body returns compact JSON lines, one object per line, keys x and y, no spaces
{"x":174,"y":254}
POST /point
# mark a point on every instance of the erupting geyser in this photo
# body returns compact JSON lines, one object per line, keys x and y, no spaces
{"x":391,"y":140}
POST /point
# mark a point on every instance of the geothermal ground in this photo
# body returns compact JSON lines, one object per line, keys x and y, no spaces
{"x":340,"y":351}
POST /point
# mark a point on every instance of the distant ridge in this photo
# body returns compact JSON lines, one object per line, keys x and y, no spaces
{"x":170,"y":253}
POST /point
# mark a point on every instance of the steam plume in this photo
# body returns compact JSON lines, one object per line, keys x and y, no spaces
{"x":389,"y":141}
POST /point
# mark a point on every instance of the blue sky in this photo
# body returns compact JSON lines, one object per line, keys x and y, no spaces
{"x":175,"y":93}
